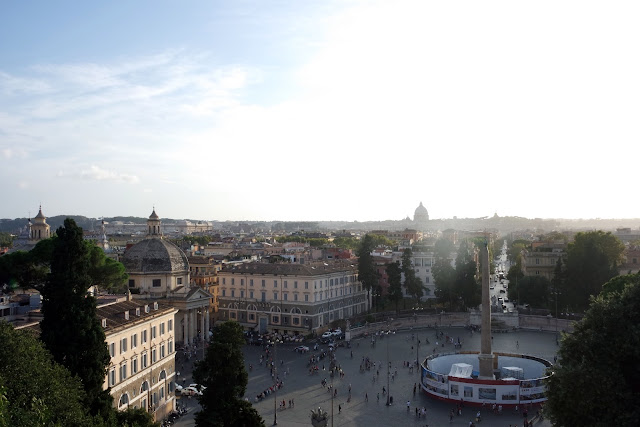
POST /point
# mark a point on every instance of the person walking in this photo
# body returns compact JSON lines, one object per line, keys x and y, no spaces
{"x":339,"y":408}
{"x":366,"y":397}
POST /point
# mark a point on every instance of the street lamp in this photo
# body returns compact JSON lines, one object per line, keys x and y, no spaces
{"x":388,"y":369}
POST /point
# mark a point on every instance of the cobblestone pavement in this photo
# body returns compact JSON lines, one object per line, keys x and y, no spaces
{"x":308,"y":393}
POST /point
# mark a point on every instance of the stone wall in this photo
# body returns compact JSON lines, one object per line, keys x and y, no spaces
{"x":506,"y":321}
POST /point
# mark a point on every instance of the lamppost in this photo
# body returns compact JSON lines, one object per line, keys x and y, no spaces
{"x":388,"y":369}
{"x":275,"y":360}
{"x":556,"y":289}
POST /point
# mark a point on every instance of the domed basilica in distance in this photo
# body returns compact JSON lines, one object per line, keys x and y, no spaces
{"x":159,"y":270}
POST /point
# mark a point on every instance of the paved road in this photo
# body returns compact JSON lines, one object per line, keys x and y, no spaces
{"x":307,"y":392}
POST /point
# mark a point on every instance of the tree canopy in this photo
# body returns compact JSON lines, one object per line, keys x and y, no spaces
{"x":592,"y":260}
{"x":71,"y":331}
{"x":412,"y":283}
{"x":38,"y":391}
{"x":394,"y":274}
{"x":533,"y":290}
{"x":367,"y":273}
{"x":223,"y":374}
{"x":597,"y":382}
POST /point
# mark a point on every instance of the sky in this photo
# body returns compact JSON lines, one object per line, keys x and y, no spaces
{"x":320,"y":110}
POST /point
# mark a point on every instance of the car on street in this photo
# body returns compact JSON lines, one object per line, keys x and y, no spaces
{"x":327,"y":334}
{"x":301,"y":349}
{"x":190,"y":391}
{"x":502,"y":291}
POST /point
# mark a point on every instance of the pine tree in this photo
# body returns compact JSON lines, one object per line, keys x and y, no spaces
{"x":70,"y":328}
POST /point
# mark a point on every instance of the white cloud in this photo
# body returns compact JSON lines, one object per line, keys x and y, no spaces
{"x":96,"y":173}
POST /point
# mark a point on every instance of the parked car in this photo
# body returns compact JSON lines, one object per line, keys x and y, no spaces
{"x":191,"y":391}
{"x":301,"y":349}
{"x":327,"y":334}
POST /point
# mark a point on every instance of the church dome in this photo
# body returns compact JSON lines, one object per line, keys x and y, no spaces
{"x":155,"y":256}
{"x":421,"y":214}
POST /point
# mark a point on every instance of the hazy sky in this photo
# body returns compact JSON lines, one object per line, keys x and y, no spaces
{"x":319,"y":110}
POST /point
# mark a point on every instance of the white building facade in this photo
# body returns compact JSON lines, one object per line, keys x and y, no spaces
{"x":290,"y":298}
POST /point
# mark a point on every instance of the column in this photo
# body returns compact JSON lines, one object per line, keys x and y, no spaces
{"x":185,"y":316}
{"x":206,"y":324}
{"x":194,"y":325}
{"x":203,"y":314}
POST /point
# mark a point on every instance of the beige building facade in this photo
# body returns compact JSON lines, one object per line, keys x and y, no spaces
{"x":141,"y":339}
{"x":290,"y":298}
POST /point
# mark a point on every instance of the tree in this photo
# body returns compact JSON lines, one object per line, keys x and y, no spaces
{"x":597,"y":382}
{"x":37,"y":390}
{"x":514,"y":252}
{"x":367,"y":273}
{"x":223,"y":374}
{"x":445,"y":276}
{"x":394,"y":273}
{"x":106,"y":273}
{"x":443,"y":249}
{"x":412,"y":283}
{"x":6,"y":239}
{"x":534,"y":290}
{"x":70,"y":328}
{"x":592,"y":260}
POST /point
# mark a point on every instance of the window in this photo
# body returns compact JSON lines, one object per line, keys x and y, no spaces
{"x":154,"y":355}
{"x":224,"y":293}
{"x":112,"y":377}
{"x":112,"y":349}
{"x":275,"y":295}
{"x":251,"y":282}
{"x":224,"y":281}
{"x":179,"y":280}
{"x":170,"y":325}
{"x":306,"y":298}
{"x":153,"y":332}
{"x":252,"y":316}
{"x":134,"y":341}
{"x":263,"y":283}
{"x":250,"y":294}
{"x":295,"y":284}
{"x":296,"y":321}
{"x":241,"y":294}
{"x":134,"y":365}
{"x":264,"y":296}
{"x":170,"y":346}
{"x":295,"y":297}
{"x":143,"y":362}
{"x":123,"y":371}
{"x":233,"y":281}
{"x":537,"y":261}
{"x":123,"y":345}
{"x":156,"y":283}
{"x":162,"y":328}
{"x":162,"y":354}
{"x":275,"y":319}
{"x":275,"y":283}
{"x":285,"y":284}
{"x":232,"y":315}
{"x":124,"y":399}
{"x":132,"y":283}
{"x":241,"y":282}
{"x":285,"y":296}
{"x":233,"y":293}
{"x":306,"y":285}
{"x":144,"y":336}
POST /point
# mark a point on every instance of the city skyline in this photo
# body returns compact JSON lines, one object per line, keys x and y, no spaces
{"x":319,"y":110}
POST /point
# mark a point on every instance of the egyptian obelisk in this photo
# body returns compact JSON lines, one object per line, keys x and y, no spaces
{"x":485,"y":358}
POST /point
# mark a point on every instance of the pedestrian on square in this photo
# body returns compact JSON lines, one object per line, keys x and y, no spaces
{"x":366,"y":397}
{"x":339,"y":408}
